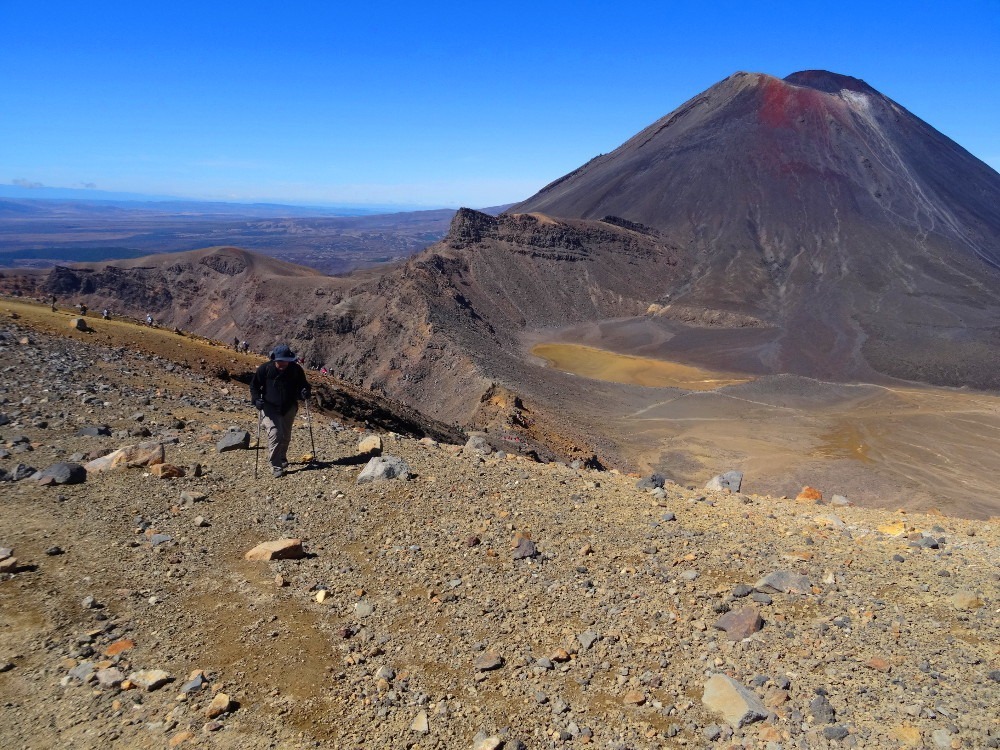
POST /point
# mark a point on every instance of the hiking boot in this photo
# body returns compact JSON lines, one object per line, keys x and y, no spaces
{"x":278,"y":471}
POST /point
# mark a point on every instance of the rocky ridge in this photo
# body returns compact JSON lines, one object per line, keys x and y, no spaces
{"x":486,"y":601}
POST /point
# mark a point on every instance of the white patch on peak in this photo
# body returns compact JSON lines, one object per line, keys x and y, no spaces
{"x":857,"y":100}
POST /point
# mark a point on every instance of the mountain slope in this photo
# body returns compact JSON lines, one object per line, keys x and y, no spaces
{"x":824,"y":208}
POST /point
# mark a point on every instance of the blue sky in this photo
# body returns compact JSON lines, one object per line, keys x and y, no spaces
{"x":432,"y":104}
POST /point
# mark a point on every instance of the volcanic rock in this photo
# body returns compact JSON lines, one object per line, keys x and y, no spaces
{"x":62,"y":473}
{"x":279,"y":549}
{"x":736,"y":703}
{"x":382,"y":468}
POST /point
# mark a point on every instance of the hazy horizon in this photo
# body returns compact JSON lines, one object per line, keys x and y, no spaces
{"x":399,"y":105}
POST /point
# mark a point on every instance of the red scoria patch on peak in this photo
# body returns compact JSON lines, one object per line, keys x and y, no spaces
{"x":782,"y":104}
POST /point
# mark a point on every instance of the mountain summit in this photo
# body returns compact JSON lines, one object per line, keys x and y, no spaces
{"x":826,"y":210}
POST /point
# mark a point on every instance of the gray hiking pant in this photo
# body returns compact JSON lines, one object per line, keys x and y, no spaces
{"x":278,"y":427}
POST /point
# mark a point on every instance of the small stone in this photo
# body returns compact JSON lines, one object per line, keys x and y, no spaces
{"x":384,"y":468}
{"x":83,"y":672}
{"x":740,"y":623}
{"x":809,"y":495}
{"x":363,"y":609}
{"x":190,"y":498}
{"x":731,"y":480}
{"x":941,"y":738}
{"x":195,"y":682}
{"x":835,"y":732}
{"x":109,"y":678}
{"x":420,"y":723}
{"x":483,"y":742}
{"x":784,"y":581}
{"x":587,"y":639}
{"x":371,"y":444}
{"x":150,"y":679}
{"x":213,"y":726}
{"x":737,"y":704}
{"x":525,"y":549}
{"x":878,"y":664}
{"x":233,"y":440}
{"x":62,"y":473}
{"x":907,"y":735}
{"x":119,"y":647}
{"x":560,"y":656}
{"x":822,"y":710}
{"x":279,"y":549}
{"x":94,"y":431}
{"x":965,"y":600}
{"x":653,"y":481}
{"x":634,"y":698}
{"x":488,"y":661}
{"x":220,"y":704}
{"x":180,"y":738}
{"x":321,"y":595}
{"x":476,"y":445}
{"x":201,"y":522}
{"x":166,"y":471}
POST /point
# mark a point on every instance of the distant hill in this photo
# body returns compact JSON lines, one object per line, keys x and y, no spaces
{"x":43,"y":233}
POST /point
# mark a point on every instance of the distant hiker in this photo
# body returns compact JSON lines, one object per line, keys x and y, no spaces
{"x":83,"y":309}
{"x":53,"y":303}
{"x":149,"y":320}
{"x":245,"y":346}
{"x":105,"y":314}
{"x":275,"y":389}
{"x":236,"y":343}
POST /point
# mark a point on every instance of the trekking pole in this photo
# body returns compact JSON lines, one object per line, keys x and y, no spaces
{"x":312,"y":444}
{"x":256,"y":452}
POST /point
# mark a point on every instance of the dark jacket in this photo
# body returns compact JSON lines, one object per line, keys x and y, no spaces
{"x":278,"y":389}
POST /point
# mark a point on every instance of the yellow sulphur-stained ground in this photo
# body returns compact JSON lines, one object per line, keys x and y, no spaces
{"x":599,"y":364}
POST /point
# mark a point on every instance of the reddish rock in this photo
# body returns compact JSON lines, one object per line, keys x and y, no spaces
{"x":220,"y":704}
{"x":166,"y":471}
{"x":740,"y":623}
{"x":279,"y":549}
{"x":878,"y":664}
{"x":634,"y":698}
{"x":144,"y":454}
{"x":488,"y":660}
{"x":119,"y":647}
{"x":809,"y":495}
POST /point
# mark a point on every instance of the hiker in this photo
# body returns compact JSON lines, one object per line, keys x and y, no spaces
{"x":53,"y":303}
{"x":236,"y":343}
{"x":83,"y":309}
{"x":275,"y":389}
{"x":245,"y":347}
{"x":105,"y":314}
{"x":149,"y":319}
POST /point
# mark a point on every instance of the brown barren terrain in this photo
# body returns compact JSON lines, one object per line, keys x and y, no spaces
{"x":486,"y":602}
